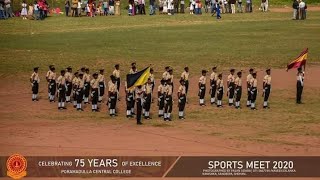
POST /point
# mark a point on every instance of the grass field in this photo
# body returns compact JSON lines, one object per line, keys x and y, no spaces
{"x":241,"y":41}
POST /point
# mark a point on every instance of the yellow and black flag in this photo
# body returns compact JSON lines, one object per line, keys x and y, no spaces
{"x":138,"y":79}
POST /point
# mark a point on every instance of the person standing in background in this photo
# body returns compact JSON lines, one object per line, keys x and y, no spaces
{"x":233,"y":6}
{"x":74,"y":8}
{"x":152,"y":7}
{"x":176,"y":5}
{"x":67,"y":7}
{"x":24,"y":11}
{"x":117,"y":9}
{"x":295,"y":7}
{"x":182,"y":2}
{"x":240,"y":6}
{"x":8,"y":9}
{"x":302,"y":10}
{"x":249,"y":6}
{"x":111,"y":7}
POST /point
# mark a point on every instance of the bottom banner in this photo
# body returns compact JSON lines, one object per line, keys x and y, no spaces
{"x":18,"y":166}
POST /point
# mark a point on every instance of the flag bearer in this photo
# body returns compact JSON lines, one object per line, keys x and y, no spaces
{"x":300,"y":84}
{"x":202,"y":87}
{"x":75,"y":84}
{"x":35,"y":80}
{"x":52,"y":84}
{"x":185,"y":78}
{"x":102,"y":85}
{"x":86,"y":78}
{"x":112,"y":96}
{"x":168,"y":101}
{"x":213,"y":84}
{"x":249,"y":78}
{"x":231,"y":86}
{"x":62,"y":87}
{"x":129,"y":100}
{"x":148,"y":98}
{"x":220,"y":90}
{"x":266,"y":88}
{"x":182,"y":98}
{"x":94,"y":84}
{"x":238,"y":89}
{"x":254,"y":90}
{"x":80,"y":91}
{"x":139,"y":91}
{"x":69,"y":77}
{"x":161,"y":90}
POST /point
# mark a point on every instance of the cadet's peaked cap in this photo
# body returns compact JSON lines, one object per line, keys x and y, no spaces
{"x":181,"y":80}
{"x":69,"y":67}
{"x":35,"y":68}
{"x":250,"y":69}
{"x":134,"y":63}
{"x":101,"y":70}
{"x":80,"y":73}
{"x":232,"y":70}
{"x":238,"y":73}
{"x":268,"y":70}
{"x":95,"y":74}
{"x":50,"y":66}
{"x":75,"y":73}
{"x":204,"y":71}
{"x":167,"y":67}
{"x":63,"y":71}
{"x":214,"y":68}
{"x":220,"y":75}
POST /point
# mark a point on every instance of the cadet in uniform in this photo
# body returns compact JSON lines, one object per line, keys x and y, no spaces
{"x":102,"y":85}
{"x":182,"y":98}
{"x":254,"y":90}
{"x":161,"y":89}
{"x":116,"y":74}
{"x":238,"y":91}
{"x":231,"y":86}
{"x":94,"y":84}
{"x":165,"y":74}
{"x":152,"y":79}
{"x":202,"y":87}
{"x":47,"y":78}
{"x":185,"y":78}
{"x":300,"y":84}
{"x":35,"y":80}
{"x":213,"y":82}
{"x":129,"y":101}
{"x":148,"y":98}
{"x":68,"y":76}
{"x":52,"y":84}
{"x":75,"y":84}
{"x":80,"y":91}
{"x":133,"y":69}
{"x":86,"y":78}
{"x":220,"y":90}
{"x":249,"y":78}
{"x":62,"y":86}
{"x":266,"y":88}
{"x":112,"y":96}
{"x":139,"y":91}
{"x":170,"y":76}
{"x":168,"y":101}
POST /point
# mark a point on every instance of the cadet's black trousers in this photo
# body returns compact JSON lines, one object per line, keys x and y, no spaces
{"x":79,"y":95}
{"x":267,"y":89}
{"x":202,"y":91}
{"x":168,"y":105}
{"x":95,"y":96}
{"x":231,"y":90}
{"x":74,"y":93}
{"x":220,"y":93}
{"x":69,"y":88}
{"x":130,"y":101}
{"x":148,"y":102}
{"x":86,"y":89}
{"x":161,"y":102}
{"x":186,"y":84}
{"x":253,"y":94}
{"x":62,"y":93}
{"x":182,"y":102}
{"x":139,"y":110}
{"x":239,"y":93}
{"x":35,"y":87}
{"x":299,"y":91}
{"x":101,"y":88}
{"x":249,"y":94}
{"x":113,"y":101}
{"x":213,"y":89}
{"x":52,"y":87}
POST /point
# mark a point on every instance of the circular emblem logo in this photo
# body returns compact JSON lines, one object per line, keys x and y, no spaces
{"x":16,"y":166}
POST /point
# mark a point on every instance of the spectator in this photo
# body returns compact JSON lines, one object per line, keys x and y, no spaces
{"x":117,"y":7}
{"x":142,"y":7}
{"x":67,"y":6}
{"x":206,"y":6}
{"x":24,"y":11}
{"x":8,"y":8}
{"x":295,"y":7}
{"x":111,"y":7}
{"x":225,"y":6}
{"x":79,"y":8}
{"x":152,"y":7}
{"x":302,"y":10}
{"x":2,"y":14}
{"x":74,"y":8}
{"x":240,"y":6}
{"x":130,"y":10}
{"x":192,"y":6}
{"x":170,"y":7}
{"x":233,"y":6}
{"x":30,"y":11}
{"x":249,"y":6}
{"x":36,"y":10}
{"x":176,"y":5}
{"x":264,"y":5}
{"x":181,"y":6}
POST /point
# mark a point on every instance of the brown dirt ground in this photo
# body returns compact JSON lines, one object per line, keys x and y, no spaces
{"x":38,"y":128}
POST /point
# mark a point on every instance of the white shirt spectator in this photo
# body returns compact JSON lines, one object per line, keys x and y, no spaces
{"x":302,"y":5}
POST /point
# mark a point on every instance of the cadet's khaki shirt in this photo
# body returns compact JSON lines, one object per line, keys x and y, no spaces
{"x":52,"y":76}
{"x":35,"y":77}
{"x":151,"y":77}
{"x":75,"y":81}
{"x":182,"y":90}
{"x":238,"y":82}
{"x":112,"y":87}
{"x":231,"y":78}
{"x":148,"y":88}
{"x":185,"y":76}
{"x":86,"y":77}
{"x":139,"y":92}
{"x":168,"y":90}
{"x":116,"y":73}
{"x":81,"y":83}
{"x":267,"y":79}
{"x":219,"y":83}
{"x":249,"y":77}
{"x":68,"y":76}
{"x":101,"y":78}
{"x":161,"y":88}
{"x":214,"y":76}
{"x":132,"y":71}
{"x":48,"y":73}
{"x":61,"y":80}
{"x":202,"y":80}
{"x":165,"y":75}
{"x":94,"y":83}
{"x":254,"y":82}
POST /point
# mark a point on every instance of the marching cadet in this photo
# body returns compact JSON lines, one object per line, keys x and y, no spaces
{"x":35,"y":80}
{"x":139,"y":91}
{"x":249,"y":78}
{"x":86,"y":78}
{"x":254,"y":90}
{"x":112,"y":93}
{"x":161,"y":89}
{"x":83,"y":70}
{"x":168,"y":101}
{"x":52,"y":84}
{"x":202,"y":87}
{"x":238,"y":91}
{"x":220,"y":90}
{"x":116,"y":75}
{"x":151,"y":76}
{"x":133,"y":69}
{"x":148,"y":99}
{"x":68,"y":76}
{"x":182,"y":98}
{"x":266,"y":88}
{"x":129,"y":100}
{"x":170,"y":76}
{"x":47,"y":78}
{"x":231,"y":86}
{"x":213,"y":87}
{"x":300,"y":84}
{"x":75,"y":84}
{"x":80,"y":91}
{"x":94,"y":84}
{"x":61,"y":82}
{"x":185,"y":78}
{"x":165,"y":74}
{"x":102,"y":85}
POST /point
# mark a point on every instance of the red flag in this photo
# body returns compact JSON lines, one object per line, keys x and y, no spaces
{"x":299,"y":61}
